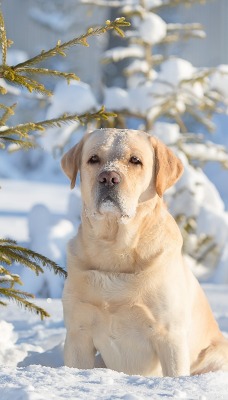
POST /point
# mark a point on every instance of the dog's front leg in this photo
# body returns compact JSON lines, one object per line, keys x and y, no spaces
{"x":174,"y":356}
{"x":79,"y":351}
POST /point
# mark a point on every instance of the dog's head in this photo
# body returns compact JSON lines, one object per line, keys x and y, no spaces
{"x":120,"y":168}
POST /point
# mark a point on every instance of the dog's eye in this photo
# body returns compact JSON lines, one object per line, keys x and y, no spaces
{"x":94,"y":159}
{"x":135,"y":160}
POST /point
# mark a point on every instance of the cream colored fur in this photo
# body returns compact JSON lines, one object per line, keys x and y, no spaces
{"x":129,"y":295}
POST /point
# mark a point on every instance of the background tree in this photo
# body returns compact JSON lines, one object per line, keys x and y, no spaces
{"x":170,"y":98}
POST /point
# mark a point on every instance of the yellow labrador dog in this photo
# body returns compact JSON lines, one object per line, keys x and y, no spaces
{"x":129,"y":296}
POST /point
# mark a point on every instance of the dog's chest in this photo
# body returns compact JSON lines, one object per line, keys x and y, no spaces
{"x":119,"y":301}
{"x":113,"y":309}
{"x":123,"y":327}
{"x":110,"y":288}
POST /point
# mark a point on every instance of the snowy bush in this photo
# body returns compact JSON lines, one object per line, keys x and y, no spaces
{"x":170,"y":98}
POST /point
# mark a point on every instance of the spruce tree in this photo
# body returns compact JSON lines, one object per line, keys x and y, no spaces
{"x":26,"y":75}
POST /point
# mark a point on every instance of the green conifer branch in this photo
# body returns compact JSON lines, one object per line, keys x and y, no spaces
{"x":18,"y":256}
{"x":23,"y":129}
{"x":18,"y":73}
{"x":8,"y":290}
{"x":44,"y":71}
{"x":8,"y":112}
{"x":3,"y":39}
{"x":2,"y":90}
{"x":31,"y":85}
{"x":20,"y":298}
{"x":6,"y":276}
{"x":10,"y":252}
{"x":83,"y":118}
{"x":18,"y":144}
{"x":60,"y":49}
{"x":4,"y":271}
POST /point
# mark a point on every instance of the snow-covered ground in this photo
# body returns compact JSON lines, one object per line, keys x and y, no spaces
{"x":31,"y":363}
{"x":31,"y":350}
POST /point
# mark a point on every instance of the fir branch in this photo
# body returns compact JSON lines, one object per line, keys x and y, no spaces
{"x":9,"y":111}
{"x":18,"y":74}
{"x":10,"y":252}
{"x":3,"y":90}
{"x":23,"y":129}
{"x":83,"y":118}
{"x":30,"y":258}
{"x":9,"y":74}
{"x":44,"y":71}
{"x":14,"y":277}
{"x":21,"y":144}
{"x":20,"y":298}
{"x":60,"y":49}
{"x":3,"y":38}
{"x":10,"y":279}
{"x":20,"y":256}
{"x":8,"y":291}
{"x":3,"y":270}
{"x":5,"y":259}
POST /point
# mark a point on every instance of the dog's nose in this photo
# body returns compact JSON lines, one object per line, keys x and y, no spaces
{"x":109,"y":178}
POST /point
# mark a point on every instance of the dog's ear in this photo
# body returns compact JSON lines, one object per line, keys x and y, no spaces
{"x":168,"y":168}
{"x":71,"y":162}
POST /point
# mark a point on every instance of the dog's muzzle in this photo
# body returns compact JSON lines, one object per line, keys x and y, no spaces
{"x":108,"y":182}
